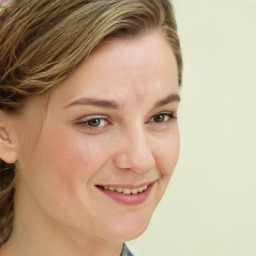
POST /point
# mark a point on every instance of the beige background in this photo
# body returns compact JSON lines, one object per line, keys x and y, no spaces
{"x":210,"y":206}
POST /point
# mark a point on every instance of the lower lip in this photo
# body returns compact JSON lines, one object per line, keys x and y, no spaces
{"x":128,"y":199}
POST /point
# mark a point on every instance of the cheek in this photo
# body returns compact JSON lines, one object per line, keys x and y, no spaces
{"x":77,"y":154}
{"x":168,"y":153}
{"x":61,"y":167}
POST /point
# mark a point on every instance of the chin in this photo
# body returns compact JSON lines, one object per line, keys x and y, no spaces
{"x":134,"y":234}
{"x":125,"y":235}
{"x":127,"y":229}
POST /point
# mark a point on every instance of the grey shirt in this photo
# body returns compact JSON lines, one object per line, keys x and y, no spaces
{"x":126,"y":251}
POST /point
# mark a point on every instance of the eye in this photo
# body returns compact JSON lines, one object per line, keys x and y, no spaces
{"x":96,"y":122}
{"x":162,"y":118}
{"x":91,"y":123}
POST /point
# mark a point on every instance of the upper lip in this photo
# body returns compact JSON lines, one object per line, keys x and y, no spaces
{"x":130,"y":186}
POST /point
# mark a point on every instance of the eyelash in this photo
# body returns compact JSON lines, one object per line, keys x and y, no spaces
{"x":168,"y":117}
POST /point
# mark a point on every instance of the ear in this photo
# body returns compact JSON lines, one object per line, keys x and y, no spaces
{"x":8,"y":148}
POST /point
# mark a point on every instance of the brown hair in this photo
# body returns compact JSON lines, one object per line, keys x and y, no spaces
{"x":42,"y":42}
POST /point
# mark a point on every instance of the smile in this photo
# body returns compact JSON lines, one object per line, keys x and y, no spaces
{"x":127,"y":196}
{"x":126,"y":191}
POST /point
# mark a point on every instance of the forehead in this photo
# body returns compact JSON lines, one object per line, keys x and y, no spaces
{"x":119,"y":68}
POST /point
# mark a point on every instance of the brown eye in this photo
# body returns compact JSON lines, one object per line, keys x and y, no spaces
{"x":162,"y":118}
{"x":159,"y":118}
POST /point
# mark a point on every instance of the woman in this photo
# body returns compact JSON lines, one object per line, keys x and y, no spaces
{"x":88,"y":128}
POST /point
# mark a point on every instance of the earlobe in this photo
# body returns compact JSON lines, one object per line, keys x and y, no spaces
{"x":7,"y":146}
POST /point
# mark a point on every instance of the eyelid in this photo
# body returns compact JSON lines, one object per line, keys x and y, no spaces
{"x":89,"y":117}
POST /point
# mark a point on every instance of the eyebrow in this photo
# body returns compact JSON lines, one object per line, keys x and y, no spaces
{"x":114,"y":105}
{"x":169,"y":99}
{"x":95,"y":102}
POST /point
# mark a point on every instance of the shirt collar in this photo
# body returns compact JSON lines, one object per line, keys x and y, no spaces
{"x":126,"y":251}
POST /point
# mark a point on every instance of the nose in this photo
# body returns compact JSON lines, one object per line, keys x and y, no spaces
{"x":134,"y":152}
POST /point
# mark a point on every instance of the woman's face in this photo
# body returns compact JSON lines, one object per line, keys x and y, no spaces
{"x":99,"y":157}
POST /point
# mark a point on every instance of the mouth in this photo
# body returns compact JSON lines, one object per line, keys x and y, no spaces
{"x":125,"y":191}
{"x":125,"y":195}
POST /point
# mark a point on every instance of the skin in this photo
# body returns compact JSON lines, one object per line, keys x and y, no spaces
{"x":60,"y":157}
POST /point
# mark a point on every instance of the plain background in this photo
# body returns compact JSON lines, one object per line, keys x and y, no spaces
{"x":210,"y":206}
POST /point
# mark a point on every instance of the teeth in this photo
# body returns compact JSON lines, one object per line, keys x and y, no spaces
{"x":135,"y":191}
{"x":127,"y":191}
{"x":120,"y":190}
{"x":143,"y":188}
